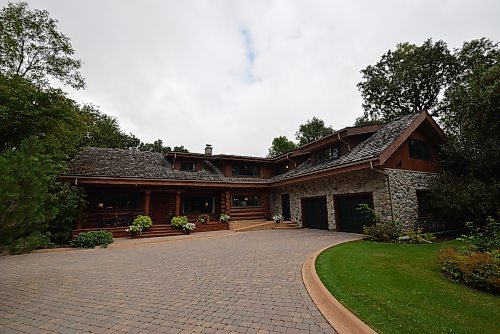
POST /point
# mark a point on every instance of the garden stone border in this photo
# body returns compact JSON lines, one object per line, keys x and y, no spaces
{"x":341,"y":319}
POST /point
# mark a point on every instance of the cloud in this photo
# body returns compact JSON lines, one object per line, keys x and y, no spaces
{"x":236,"y":74}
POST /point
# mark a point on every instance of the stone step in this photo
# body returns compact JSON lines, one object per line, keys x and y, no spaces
{"x":286,"y":225}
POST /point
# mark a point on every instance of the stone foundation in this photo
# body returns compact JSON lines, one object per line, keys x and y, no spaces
{"x":403,"y":190}
{"x":366,"y":181}
{"x":404,"y":186}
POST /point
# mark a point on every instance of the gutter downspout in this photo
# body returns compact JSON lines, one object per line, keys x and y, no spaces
{"x":342,"y":141}
{"x":388,"y":186}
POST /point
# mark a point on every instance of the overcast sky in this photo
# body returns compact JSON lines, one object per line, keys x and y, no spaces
{"x":236,"y":74}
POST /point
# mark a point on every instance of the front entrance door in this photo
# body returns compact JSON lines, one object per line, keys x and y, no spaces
{"x":349,"y":218}
{"x":285,"y":206}
{"x":162,"y":207}
{"x":315,"y":213}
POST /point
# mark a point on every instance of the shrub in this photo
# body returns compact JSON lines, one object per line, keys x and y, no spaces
{"x":92,"y":239}
{"x":383,"y":231}
{"x":416,"y":236}
{"x":31,"y":242}
{"x":379,"y":231}
{"x":144,"y":222}
{"x":391,"y":231}
{"x":480,"y":270}
{"x":483,"y":238}
{"x":179,"y":222}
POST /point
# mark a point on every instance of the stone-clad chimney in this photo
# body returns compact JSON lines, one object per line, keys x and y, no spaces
{"x":208,"y":149}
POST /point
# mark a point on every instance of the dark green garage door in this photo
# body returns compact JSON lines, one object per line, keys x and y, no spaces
{"x":314,"y":213}
{"x":349,"y":219}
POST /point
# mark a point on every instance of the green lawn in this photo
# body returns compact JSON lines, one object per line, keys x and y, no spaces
{"x":399,"y":289}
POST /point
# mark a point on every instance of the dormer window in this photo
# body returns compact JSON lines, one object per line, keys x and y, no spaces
{"x":328,"y":154}
{"x":188,"y":166}
{"x":419,"y":150}
{"x":245,"y":169}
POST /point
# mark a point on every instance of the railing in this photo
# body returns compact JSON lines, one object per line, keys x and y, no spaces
{"x":110,"y":218}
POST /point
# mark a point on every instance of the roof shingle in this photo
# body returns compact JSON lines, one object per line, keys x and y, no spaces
{"x":116,"y":163}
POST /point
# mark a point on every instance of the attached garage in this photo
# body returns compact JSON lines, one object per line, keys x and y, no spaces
{"x":348,"y":217}
{"x":315,"y":213}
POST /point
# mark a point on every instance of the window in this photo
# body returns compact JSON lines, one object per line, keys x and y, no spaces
{"x":245,"y":170}
{"x":188,"y":166}
{"x":424,"y":203}
{"x":246,"y":200}
{"x":330,"y":153}
{"x":118,"y":201}
{"x":419,"y":150}
{"x":198,"y":204}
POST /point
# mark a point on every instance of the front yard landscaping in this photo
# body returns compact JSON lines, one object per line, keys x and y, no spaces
{"x":398,"y":288}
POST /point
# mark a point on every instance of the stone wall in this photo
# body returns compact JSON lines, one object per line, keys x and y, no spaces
{"x":404,"y":186}
{"x":366,"y":181}
{"x":403,"y":191}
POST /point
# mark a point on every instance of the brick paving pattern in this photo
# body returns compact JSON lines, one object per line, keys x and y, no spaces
{"x":231,"y":283}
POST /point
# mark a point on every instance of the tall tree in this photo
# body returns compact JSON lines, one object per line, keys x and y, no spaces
{"x":25,"y":177}
{"x":27,"y":110}
{"x":312,"y":130}
{"x":32,"y":47}
{"x":104,"y":131}
{"x":468,"y":100}
{"x":280,"y":145}
{"x":469,"y":188}
{"x":407,"y":80}
{"x":157,"y":146}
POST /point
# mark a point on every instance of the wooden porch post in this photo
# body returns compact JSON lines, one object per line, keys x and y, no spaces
{"x":227,"y":202}
{"x":178,"y":203}
{"x":146,"y":202}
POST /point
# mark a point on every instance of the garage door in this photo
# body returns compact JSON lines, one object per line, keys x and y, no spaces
{"x":314,"y":213}
{"x":349,"y":218}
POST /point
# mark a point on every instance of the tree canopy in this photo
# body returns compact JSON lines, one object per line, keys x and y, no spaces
{"x":32,"y":47}
{"x":312,"y":130}
{"x":409,"y":79}
{"x":25,"y":200}
{"x":462,"y":88}
{"x":280,"y":145}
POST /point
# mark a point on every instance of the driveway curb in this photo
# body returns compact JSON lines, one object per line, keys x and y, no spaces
{"x":341,"y":319}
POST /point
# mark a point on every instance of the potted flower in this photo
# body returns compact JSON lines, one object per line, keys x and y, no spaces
{"x":179,"y":222}
{"x":140,"y":224}
{"x":203,"y":218}
{"x":143,"y":221}
{"x":134,"y":230}
{"x":224,"y":218}
{"x":189,"y":227}
{"x":278,"y":218}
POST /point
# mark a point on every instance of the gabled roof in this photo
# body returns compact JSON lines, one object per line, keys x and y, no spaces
{"x":117,"y":163}
{"x":370,"y":148}
{"x":137,"y":165}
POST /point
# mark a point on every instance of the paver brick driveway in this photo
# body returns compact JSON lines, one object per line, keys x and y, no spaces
{"x":234,"y":282}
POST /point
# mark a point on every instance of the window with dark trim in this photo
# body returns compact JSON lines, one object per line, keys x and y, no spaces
{"x":245,"y":169}
{"x":188,"y":166}
{"x":198,"y":204}
{"x":330,"y":153}
{"x":424,"y":203}
{"x":118,"y":201}
{"x":246,"y":200}
{"x":419,"y":150}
